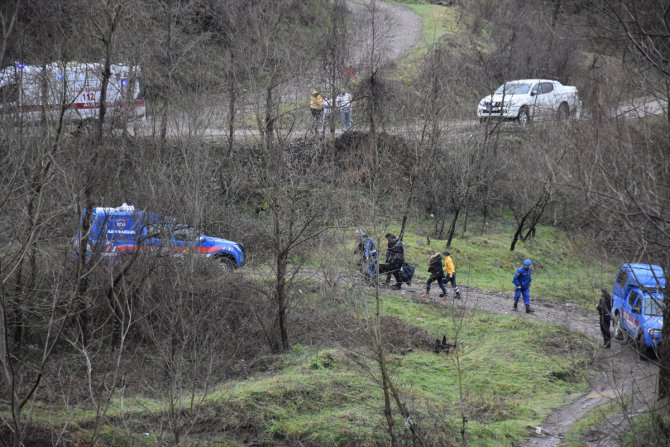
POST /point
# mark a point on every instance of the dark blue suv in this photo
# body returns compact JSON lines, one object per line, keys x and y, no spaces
{"x":125,"y":230}
{"x":637,"y":305}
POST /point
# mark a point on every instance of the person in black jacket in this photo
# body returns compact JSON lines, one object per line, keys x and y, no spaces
{"x":605,"y":310}
{"x":395,"y":257}
{"x":436,"y":274}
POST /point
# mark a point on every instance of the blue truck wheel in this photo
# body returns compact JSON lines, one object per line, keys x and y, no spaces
{"x":227,"y":264}
{"x":619,"y":333}
{"x":641,"y":346}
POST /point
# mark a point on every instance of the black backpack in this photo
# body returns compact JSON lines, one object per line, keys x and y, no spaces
{"x":406,"y":273}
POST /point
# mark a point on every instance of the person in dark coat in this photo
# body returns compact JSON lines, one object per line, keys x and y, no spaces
{"x":522,"y":280}
{"x":436,"y":271}
{"x":605,"y":310}
{"x":395,"y":258}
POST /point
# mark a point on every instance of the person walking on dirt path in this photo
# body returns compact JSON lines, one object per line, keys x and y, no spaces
{"x":436,"y":271}
{"x":395,"y":258}
{"x":387,"y":281}
{"x":605,"y":310}
{"x":450,"y":273}
{"x":316,"y":108}
{"x":368,"y":251}
{"x":343,"y":102}
{"x":522,"y":280}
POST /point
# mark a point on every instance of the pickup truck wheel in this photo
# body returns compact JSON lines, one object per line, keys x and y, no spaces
{"x":227,"y":264}
{"x":563,"y":112}
{"x":618,"y":330}
{"x":524,"y":115}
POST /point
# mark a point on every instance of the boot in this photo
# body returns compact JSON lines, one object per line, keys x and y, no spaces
{"x":529,"y":310}
{"x":458,"y":294}
{"x":515,"y":307}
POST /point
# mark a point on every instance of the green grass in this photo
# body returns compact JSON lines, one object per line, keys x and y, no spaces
{"x":644,"y":431}
{"x":437,"y":21}
{"x":510,"y":377}
{"x":576,"y":435}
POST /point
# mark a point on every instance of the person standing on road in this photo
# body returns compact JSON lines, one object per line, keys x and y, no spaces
{"x":316,"y":108}
{"x":343,"y":102}
{"x":605,"y":310}
{"x":436,"y":274}
{"x":450,"y":273}
{"x":327,"y":109}
{"x":522,"y":280}
{"x":395,"y":258}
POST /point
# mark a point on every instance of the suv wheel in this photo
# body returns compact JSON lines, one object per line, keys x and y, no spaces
{"x":618,"y":330}
{"x":641,"y":347}
{"x":563,"y":112}
{"x":227,"y":264}
{"x":524,"y":115}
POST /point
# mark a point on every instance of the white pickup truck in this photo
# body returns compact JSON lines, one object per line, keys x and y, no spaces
{"x":530,"y":99}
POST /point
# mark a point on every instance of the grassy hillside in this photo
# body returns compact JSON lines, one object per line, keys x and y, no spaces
{"x":508,"y":373}
{"x":437,"y":21}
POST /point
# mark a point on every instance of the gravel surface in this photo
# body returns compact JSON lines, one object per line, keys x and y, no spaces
{"x":397,"y":29}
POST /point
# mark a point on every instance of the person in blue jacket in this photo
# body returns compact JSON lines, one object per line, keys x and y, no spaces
{"x":522,"y":279}
{"x":368,"y":251}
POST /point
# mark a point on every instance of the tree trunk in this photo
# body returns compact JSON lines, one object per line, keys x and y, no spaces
{"x":106,"y":74}
{"x":664,"y":356}
{"x":517,"y":233}
{"x":388,"y":414}
{"x":465,"y":222}
{"x":284,"y":344}
{"x":452,"y":226}
{"x":232,"y":91}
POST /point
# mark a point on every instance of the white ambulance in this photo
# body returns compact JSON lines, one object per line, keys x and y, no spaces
{"x":29,"y":93}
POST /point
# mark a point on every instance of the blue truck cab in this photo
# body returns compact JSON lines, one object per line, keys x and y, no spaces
{"x":115,"y":231}
{"x":637,"y":305}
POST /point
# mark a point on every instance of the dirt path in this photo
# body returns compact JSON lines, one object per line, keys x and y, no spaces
{"x":621,"y":374}
{"x":397,"y":29}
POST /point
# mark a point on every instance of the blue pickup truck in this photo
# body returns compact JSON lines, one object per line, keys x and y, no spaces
{"x":637,"y":305}
{"x":124,"y":229}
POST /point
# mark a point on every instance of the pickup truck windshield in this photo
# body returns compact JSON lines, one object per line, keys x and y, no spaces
{"x":513,"y":89}
{"x":653,"y":307}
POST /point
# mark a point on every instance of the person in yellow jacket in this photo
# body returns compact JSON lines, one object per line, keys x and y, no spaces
{"x":450,"y":273}
{"x":316,"y":107}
